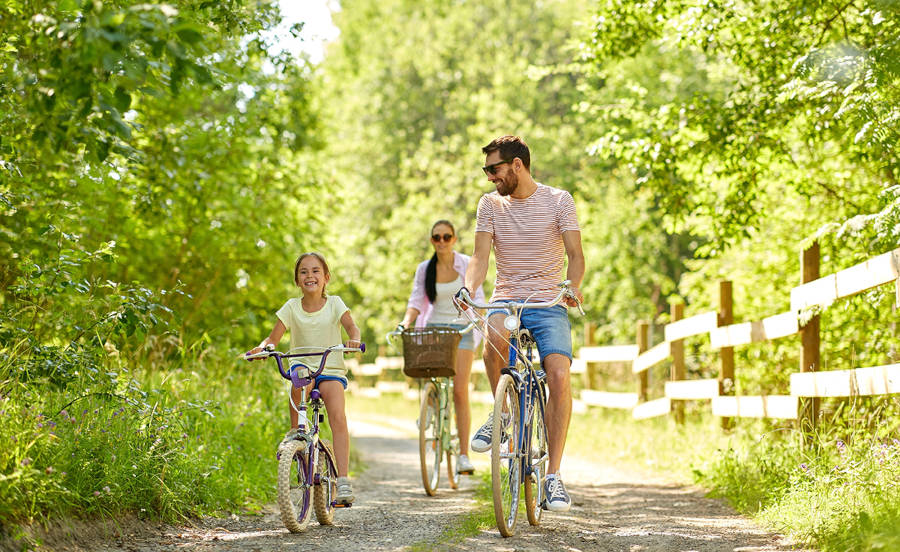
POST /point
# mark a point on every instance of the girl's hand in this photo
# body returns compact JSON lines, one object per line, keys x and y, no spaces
{"x":253,"y":351}
{"x":352,"y":343}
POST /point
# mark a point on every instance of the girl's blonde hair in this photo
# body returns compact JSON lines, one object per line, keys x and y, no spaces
{"x":321,"y":260}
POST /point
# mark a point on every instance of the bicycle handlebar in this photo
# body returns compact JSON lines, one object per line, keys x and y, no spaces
{"x":566,"y":291}
{"x":292,"y":375}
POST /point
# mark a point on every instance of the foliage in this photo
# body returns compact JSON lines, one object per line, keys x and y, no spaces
{"x":800,"y":93}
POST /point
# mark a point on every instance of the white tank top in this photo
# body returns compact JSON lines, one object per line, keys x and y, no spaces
{"x":444,"y":311}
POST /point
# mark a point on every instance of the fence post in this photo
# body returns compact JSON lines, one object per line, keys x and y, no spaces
{"x":726,"y":354}
{"x":809,"y":338}
{"x":590,"y":371}
{"x":642,"y":337}
{"x":677,"y":370}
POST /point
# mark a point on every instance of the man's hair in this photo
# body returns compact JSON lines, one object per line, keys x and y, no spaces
{"x":510,"y":147}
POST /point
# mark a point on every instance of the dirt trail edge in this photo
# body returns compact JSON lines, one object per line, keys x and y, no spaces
{"x":612,"y":510}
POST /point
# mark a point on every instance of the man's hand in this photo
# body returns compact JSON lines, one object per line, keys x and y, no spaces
{"x":577,"y":293}
{"x":459,"y":299}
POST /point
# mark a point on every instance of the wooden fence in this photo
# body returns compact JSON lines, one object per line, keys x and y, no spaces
{"x":807,"y":385}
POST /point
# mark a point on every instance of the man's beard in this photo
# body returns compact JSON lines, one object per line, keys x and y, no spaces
{"x":508,"y":185}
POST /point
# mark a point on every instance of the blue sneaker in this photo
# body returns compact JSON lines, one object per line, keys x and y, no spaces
{"x":556,"y":498}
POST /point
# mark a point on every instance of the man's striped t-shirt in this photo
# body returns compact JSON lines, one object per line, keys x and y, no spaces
{"x":528,"y":245}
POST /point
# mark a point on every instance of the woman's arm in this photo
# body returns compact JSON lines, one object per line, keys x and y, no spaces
{"x":410,"y":317}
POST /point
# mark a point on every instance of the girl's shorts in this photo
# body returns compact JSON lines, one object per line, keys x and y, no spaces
{"x":467,"y":343}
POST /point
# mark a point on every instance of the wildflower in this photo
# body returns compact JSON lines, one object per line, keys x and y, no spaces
{"x":106,"y":488}
{"x":804,"y":467}
{"x":96,"y":493}
{"x":64,"y":414}
{"x":49,"y":470}
{"x":26,"y":461}
{"x":63,"y":474}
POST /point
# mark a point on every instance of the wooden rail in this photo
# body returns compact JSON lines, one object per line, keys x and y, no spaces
{"x":807,"y":385}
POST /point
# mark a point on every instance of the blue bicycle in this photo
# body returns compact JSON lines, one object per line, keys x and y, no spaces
{"x":519,"y":449}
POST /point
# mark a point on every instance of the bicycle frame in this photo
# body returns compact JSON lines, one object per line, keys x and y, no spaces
{"x":531,"y":385}
{"x":301,"y":376}
{"x":522,"y":387}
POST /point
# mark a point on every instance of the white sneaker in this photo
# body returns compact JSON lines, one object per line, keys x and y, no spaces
{"x":344,"y":491}
{"x":464,"y":465}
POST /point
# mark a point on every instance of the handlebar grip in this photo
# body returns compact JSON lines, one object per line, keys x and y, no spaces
{"x":362,"y":347}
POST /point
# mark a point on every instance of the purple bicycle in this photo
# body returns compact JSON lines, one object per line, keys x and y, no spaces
{"x":307,"y":472}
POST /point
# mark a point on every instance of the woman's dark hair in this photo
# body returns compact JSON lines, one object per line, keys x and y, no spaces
{"x":431,"y":269}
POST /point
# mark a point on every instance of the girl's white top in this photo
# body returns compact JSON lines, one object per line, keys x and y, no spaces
{"x":316,"y":329}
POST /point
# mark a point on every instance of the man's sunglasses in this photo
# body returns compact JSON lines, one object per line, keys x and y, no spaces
{"x":436,"y":238}
{"x":492,"y":168}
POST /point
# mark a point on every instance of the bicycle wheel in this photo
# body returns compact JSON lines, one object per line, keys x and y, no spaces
{"x":326,"y":484}
{"x":538,"y":457}
{"x":293,"y":486}
{"x":430,"y":439}
{"x":505,"y":455}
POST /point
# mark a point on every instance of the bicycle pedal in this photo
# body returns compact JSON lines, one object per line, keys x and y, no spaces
{"x":467,"y":472}
{"x":342,"y":504}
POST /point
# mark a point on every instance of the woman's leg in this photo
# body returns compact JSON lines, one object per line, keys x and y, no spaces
{"x":333,"y":395}
{"x":461,"y":397}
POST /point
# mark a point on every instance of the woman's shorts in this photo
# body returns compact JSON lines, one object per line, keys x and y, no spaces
{"x":467,"y":343}
{"x":550,"y":329}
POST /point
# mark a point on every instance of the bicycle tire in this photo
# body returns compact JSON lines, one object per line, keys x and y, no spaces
{"x":325,"y":490}
{"x":506,"y":460}
{"x":293,"y":500}
{"x":538,"y":457}
{"x":430,"y":448}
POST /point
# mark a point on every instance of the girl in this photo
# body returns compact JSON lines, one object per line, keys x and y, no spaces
{"x":315,"y":320}
{"x":436,"y":281}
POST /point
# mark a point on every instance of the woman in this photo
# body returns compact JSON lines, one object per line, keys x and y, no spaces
{"x":430,"y":304}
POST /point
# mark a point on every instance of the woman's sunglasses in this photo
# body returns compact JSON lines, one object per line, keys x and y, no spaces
{"x":436,"y":238}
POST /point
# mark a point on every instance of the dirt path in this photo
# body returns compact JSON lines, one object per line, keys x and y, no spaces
{"x":613,"y":510}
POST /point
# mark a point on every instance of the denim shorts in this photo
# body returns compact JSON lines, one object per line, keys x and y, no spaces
{"x":550,"y":329}
{"x":322,"y":377}
{"x":467,"y":343}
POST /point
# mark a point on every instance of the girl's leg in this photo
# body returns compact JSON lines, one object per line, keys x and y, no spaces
{"x":461,"y":397}
{"x":333,"y":395}
{"x":295,"y":397}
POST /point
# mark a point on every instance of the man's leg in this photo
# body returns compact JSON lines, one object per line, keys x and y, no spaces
{"x":496,"y":348}
{"x":559,"y":407}
{"x":496,"y":352}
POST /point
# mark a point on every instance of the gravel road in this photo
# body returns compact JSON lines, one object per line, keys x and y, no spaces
{"x":613,"y":510}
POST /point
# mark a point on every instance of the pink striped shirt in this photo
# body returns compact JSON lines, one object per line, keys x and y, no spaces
{"x":528,"y":245}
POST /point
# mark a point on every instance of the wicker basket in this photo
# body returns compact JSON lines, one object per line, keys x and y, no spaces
{"x":430,"y":352}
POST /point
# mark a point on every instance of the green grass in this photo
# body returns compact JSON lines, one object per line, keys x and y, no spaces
{"x":159,"y":444}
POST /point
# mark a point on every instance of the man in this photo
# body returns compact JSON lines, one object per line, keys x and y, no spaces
{"x":533,"y":229}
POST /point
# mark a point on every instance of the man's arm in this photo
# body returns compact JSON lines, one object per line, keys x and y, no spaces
{"x":478,"y":264}
{"x":575,"y":270}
